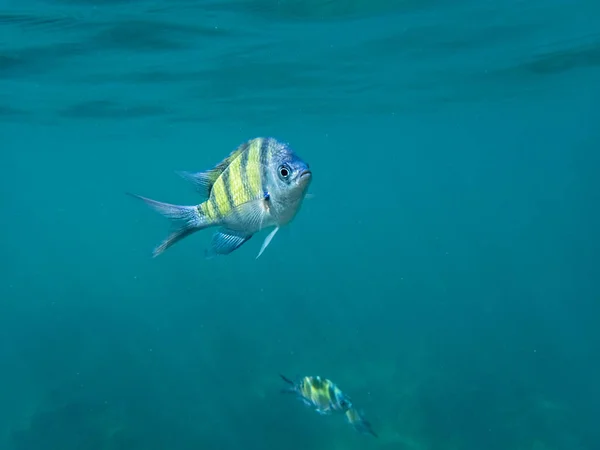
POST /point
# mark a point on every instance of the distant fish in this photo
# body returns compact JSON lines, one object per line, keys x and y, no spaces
{"x":326,"y":397}
{"x":320,"y":393}
{"x":260,"y":185}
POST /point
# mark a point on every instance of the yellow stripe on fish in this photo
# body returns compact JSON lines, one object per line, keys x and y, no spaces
{"x":215,"y":173}
{"x":253,"y":167}
{"x":238,"y":192}
{"x":318,"y":391}
{"x":208,"y":209}
{"x":240,"y":181}
{"x":306,"y":388}
{"x":219,"y":197}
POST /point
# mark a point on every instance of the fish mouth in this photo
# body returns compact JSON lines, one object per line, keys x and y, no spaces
{"x":305,"y":173}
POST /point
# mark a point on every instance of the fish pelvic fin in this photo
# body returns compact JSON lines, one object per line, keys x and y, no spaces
{"x":267,"y":241}
{"x":184,"y":219}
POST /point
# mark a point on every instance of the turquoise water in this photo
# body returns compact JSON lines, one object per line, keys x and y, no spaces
{"x":445,"y":273}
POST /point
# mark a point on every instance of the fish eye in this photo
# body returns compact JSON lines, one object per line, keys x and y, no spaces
{"x":284,"y":171}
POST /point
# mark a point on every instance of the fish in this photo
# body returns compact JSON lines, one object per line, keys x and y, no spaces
{"x":319,"y":393}
{"x":325,"y":397}
{"x":261,"y":184}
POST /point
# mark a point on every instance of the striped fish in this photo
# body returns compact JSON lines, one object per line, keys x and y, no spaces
{"x":319,"y":393}
{"x":326,"y":397}
{"x":259,"y":185}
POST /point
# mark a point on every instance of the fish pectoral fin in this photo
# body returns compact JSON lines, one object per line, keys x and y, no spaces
{"x":251,"y":214}
{"x":267,"y":241}
{"x":226,"y":241}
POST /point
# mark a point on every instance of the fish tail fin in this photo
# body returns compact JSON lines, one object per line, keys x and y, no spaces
{"x":368,"y":428}
{"x":359,"y":423}
{"x":185,"y":219}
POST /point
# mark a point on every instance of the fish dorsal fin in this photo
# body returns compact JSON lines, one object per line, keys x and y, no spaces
{"x":204,"y":181}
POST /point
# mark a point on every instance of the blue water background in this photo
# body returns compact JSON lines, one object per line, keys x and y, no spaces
{"x":445,"y":274}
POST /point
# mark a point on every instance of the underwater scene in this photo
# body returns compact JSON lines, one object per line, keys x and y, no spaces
{"x":299,"y":224}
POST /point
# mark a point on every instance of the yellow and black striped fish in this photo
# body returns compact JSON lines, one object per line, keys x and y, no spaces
{"x":320,"y":393}
{"x":259,"y":185}
{"x":326,"y":397}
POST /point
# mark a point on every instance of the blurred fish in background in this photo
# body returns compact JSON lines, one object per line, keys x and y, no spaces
{"x":326,"y":397}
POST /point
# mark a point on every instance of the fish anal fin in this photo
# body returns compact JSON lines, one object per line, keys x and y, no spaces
{"x":252,"y":215}
{"x":226,"y":241}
